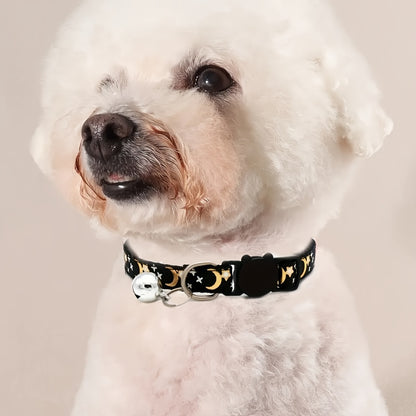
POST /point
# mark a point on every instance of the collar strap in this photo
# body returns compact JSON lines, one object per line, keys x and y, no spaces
{"x":251,"y":276}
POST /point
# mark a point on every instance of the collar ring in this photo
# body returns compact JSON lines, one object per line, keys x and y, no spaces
{"x":187,"y":291}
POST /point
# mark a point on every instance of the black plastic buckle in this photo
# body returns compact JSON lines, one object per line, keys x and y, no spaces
{"x":258,"y":275}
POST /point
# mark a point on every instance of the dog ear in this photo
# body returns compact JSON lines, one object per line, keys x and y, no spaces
{"x":362,"y":121}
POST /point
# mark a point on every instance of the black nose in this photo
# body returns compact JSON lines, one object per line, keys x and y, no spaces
{"x":103,"y":134}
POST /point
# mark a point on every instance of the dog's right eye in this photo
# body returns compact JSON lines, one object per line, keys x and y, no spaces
{"x":212,"y":79}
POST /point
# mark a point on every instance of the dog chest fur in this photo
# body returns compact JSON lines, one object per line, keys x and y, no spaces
{"x":291,"y":354}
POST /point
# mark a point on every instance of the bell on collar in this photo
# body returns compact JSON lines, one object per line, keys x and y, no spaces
{"x":146,"y":287}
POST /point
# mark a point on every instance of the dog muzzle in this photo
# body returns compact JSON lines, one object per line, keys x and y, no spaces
{"x":251,"y":277}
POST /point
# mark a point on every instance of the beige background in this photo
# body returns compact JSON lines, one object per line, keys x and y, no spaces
{"x":53,"y":267}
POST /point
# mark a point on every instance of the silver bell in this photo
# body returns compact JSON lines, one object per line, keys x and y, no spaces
{"x":146,"y":287}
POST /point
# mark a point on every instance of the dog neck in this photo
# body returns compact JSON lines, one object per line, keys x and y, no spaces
{"x":215,"y":248}
{"x":255,"y":238}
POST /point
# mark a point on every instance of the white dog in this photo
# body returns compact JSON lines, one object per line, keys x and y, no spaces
{"x":205,"y":131}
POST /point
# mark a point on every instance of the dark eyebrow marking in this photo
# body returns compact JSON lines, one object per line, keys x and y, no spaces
{"x":106,"y":82}
{"x":109,"y":82}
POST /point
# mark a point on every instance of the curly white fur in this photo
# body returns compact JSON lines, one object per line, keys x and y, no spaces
{"x":266,"y":167}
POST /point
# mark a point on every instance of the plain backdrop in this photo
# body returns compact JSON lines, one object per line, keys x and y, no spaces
{"x":52,"y":266}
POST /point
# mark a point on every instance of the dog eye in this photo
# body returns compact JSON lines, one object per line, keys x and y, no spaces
{"x":212,"y":79}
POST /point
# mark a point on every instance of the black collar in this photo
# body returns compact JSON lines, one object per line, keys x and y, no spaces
{"x":251,"y":276}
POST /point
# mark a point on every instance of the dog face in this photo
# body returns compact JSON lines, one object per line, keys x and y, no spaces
{"x":203,"y":118}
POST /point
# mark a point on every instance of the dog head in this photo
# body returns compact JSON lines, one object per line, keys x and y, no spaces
{"x":195,"y":118}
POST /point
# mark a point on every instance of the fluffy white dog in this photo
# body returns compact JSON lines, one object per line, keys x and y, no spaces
{"x":205,"y":131}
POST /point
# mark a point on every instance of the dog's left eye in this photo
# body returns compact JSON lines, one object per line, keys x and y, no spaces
{"x":212,"y":79}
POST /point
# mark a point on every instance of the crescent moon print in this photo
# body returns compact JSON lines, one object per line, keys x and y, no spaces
{"x":142,"y":267}
{"x":218,"y":278}
{"x":175,"y":275}
{"x":306,"y":262}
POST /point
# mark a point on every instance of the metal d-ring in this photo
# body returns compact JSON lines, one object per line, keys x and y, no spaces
{"x":187,"y":291}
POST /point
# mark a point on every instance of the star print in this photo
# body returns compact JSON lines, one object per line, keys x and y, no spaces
{"x":154,"y":268}
{"x":199,"y":279}
{"x":189,"y":286}
{"x":159,"y":275}
{"x":192,"y":272}
{"x":289,"y":271}
{"x":226,"y":274}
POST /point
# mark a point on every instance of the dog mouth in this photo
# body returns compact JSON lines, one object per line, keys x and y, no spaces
{"x":128,"y":160}
{"x":121,"y":188}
